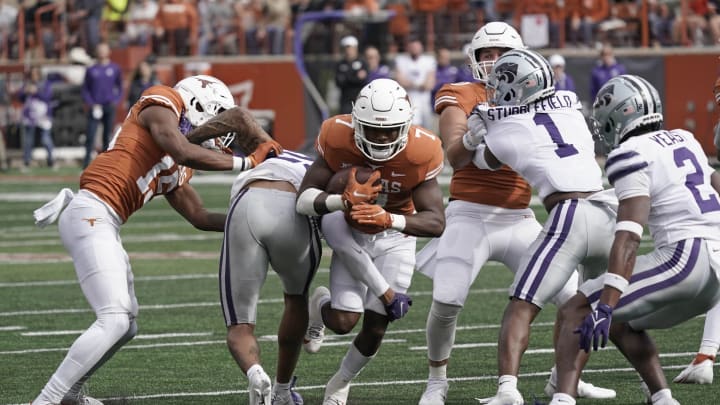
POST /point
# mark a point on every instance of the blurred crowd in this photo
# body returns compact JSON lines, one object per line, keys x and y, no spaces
{"x":49,"y":28}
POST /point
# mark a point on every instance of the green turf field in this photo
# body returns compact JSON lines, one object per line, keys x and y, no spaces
{"x":179,"y":355}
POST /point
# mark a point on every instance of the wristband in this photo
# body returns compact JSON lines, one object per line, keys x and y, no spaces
{"x":616,"y":281}
{"x":398,"y":222}
{"x":630,"y":226}
{"x":334,"y":202}
{"x":241,"y":163}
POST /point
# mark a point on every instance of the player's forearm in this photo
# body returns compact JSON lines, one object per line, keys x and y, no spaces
{"x":427,"y":223}
{"x":249,"y":134}
{"x":457,"y":155}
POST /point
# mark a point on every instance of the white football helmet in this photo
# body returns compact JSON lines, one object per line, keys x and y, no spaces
{"x":382,"y":103}
{"x":204,"y":97}
{"x":520,"y":77}
{"x":495,"y":34}
{"x":625,"y":103}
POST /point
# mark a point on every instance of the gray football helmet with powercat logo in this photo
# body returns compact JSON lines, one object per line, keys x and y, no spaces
{"x":623,"y":104}
{"x":519,"y":77}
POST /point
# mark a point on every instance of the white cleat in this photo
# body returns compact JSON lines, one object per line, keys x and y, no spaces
{"x":336,"y":391}
{"x":435,"y":392}
{"x":316,"y":329}
{"x":584,"y":390}
{"x":700,"y":373}
{"x":80,"y":400}
{"x":510,"y":397}
{"x":259,"y":388}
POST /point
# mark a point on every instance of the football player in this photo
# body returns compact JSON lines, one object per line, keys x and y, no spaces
{"x":663,"y":180}
{"x":148,"y":156}
{"x":700,"y":370}
{"x":526,"y":114}
{"x":263,"y":228}
{"x":488,"y":217}
{"x":383,"y":219}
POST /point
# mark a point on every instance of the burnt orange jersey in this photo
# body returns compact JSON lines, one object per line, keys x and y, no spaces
{"x":134,"y":169}
{"x":422,"y":159}
{"x":499,"y":188}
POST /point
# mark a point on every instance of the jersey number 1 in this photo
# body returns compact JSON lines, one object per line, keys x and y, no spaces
{"x":563,"y":149}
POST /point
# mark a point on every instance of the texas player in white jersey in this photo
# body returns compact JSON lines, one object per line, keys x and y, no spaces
{"x":700,"y":370}
{"x":384,"y":219}
{"x":542,"y":135}
{"x":663,"y":180}
{"x":263,"y":228}
{"x":148,"y":156}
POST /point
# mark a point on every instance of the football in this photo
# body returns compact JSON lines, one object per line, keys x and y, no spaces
{"x":339,"y":180}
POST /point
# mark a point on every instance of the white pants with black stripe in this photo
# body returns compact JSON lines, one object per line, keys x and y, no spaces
{"x":262,"y":228}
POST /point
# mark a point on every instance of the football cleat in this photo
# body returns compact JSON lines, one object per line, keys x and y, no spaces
{"x":287,"y":397}
{"x":336,"y":391}
{"x":316,"y":329}
{"x":509,"y":397}
{"x":80,"y":400}
{"x":696,"y":373}
{"x":259,"y":388}
{"x":435,"y":392}
{"x":584,"y":390}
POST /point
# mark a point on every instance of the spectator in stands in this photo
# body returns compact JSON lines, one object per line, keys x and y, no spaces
{"x":176,"y":28}
{"x":350,"y":73}
{"x":415,"y":71}
{"x":8,"y":27}
{"x":660,"y":18}
{"x":446,"y":73}
{"x":605,"y":69}
{"x":139,"y":25}
{"x":220,"y":27}
{"x":113,"y":17}
{"x":36,"y":96}
{"x":276,"y":20}
{"x":143,"y":77}
{"x":696,"y":22}
{"x":43,"y":47}
{"x":376,"y":69}
{"x":563,"y":81}
{"x":584,"y":19}
{"x":102,"y":89}
{"x":251,"y":13}
{"x":88,"y":13}
{"x":714,"y":20}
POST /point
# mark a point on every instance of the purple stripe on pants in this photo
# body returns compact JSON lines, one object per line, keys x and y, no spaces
{"x":227,"y":304}
{"x":547,"y":260}
{"x":670,"y":281}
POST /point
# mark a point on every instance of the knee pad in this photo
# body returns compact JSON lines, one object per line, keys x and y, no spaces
{"x":116,"y":326}
{"x":441,"y":322}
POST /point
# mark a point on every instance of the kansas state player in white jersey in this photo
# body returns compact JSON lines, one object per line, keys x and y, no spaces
{"x":662,"y":179}
{"x":263,"y":228}
{"x":543,"y":136}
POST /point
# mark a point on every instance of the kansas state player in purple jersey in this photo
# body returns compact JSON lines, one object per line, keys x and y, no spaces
{"x":263,"y":228}
{"x":662,"y":179}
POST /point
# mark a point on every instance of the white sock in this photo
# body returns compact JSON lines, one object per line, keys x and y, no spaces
{"x":353,"y":363}
{"x":281,"y":386}
{"x":553,"y":376}
{"x":507,"y":383}
{"x":660,"y":395}
{"x":254,"y":369}
{"x":438,"y":372}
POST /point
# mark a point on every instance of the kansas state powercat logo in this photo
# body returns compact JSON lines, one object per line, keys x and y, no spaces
{"x":506,"y":72}
{"x":605,"y":97}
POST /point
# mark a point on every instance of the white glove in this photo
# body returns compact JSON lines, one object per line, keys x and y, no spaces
{"x":475,"y":134}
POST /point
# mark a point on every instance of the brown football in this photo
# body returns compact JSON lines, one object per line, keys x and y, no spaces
{"x":339,"y":180}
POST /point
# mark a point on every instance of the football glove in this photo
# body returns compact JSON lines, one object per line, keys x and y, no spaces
{"x":356,"y":193}
{"x":475,"y":134}
{"x":398,"y":307}
{"x":594,"y":327}
{"x":265,"y":150}
{"x":371,"y":214}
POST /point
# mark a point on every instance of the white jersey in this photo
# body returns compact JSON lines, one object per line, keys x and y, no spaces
{"x":547,"y":142}
{"x":288,"y":166}
{"x":672,"y":169}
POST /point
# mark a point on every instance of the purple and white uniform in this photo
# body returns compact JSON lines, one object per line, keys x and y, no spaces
{"x":549,"y":144}
{"x":681,"y":277}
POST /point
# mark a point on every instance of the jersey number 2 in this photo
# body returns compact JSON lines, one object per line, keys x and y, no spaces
{"x":695,"y":180}
{"x":563,"y":149}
